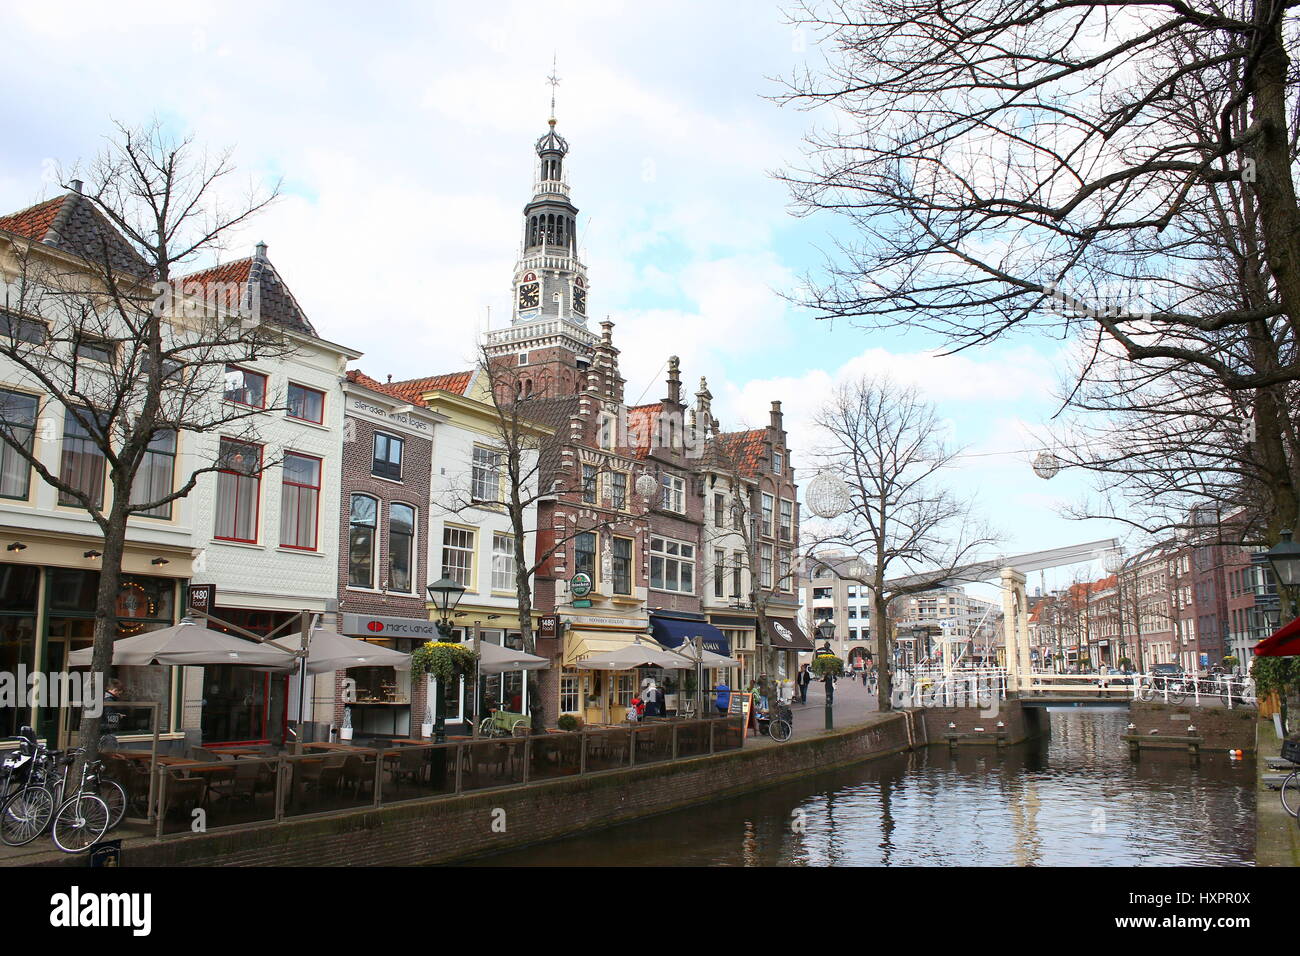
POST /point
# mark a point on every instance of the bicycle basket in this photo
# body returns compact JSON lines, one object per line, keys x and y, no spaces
{"x":1291,"y":749}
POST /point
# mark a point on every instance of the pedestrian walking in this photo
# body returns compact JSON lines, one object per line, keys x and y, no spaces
{"x":804,"y":679}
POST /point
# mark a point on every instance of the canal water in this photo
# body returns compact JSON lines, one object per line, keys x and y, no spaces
{"x":1071,"y":798}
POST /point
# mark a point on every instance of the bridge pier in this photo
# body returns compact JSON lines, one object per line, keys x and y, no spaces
{"x":1015,"y":629}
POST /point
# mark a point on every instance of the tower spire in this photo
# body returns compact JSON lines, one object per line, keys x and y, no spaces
{"x":554,"y":80}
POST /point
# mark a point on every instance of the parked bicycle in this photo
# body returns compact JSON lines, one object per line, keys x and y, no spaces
{"x":77,"y":819}
{"x":777,"y":722}
{"x":1160,"y":688}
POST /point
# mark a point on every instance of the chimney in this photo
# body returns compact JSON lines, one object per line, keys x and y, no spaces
{"x":674,"y":380}
{"x":776,"y":417}
{"x":76,"y":186}
{"x":260,"y":249}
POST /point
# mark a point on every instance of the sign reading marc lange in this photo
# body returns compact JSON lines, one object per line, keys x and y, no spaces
{"x":366,"y":625}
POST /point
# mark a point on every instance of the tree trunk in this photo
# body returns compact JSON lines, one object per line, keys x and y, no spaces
{"x":110,"y":581}
{"x":880,"y":628}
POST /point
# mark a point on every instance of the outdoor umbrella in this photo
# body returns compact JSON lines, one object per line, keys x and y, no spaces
{"x":493,"y":659}
{"x":330,"y":651}
{"x":188,"y":643}
{"x":1282,"y":643}
{"x":630,"y":657}
{"x":706,"y":658}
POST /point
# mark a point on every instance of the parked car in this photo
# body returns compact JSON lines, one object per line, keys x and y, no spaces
{"x":1167,"y":670}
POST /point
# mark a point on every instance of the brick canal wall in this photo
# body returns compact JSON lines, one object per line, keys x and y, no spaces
{"x":456,"y":828}
{"x":976,"y":724}
{"x":1220,"y":729}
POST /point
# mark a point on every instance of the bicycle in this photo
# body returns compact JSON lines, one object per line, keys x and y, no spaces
{"x":1160,"y":687}
{"x":778,"y":723}
{"x":79,"y":820}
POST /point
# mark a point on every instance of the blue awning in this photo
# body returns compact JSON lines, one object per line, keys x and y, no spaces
{"x":673,"y":632}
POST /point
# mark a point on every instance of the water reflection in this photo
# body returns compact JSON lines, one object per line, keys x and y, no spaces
{"x":1073,"y":798}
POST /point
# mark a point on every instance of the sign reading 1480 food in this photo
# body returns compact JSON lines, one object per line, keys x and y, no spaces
{"x":580,"y":584}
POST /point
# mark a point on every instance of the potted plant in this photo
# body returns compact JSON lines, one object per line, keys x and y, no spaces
{"x":826,"y":666}
{"x":567,"y":722}
{"x":345,"y":732}
{"x":445,"y":662}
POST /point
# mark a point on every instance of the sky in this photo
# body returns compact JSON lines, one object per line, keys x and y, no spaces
{"x":403,"y":137}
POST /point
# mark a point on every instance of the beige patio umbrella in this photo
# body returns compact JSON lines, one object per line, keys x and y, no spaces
{"x":629,"y":657}
{"x":493,"y":659}
{"x":188,"y":643}
{"x":327,"y":650}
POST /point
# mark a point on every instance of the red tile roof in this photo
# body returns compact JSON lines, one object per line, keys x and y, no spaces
{"x":413,"y":389}
{"x":746,"y":452}
{"x":35,"y":222}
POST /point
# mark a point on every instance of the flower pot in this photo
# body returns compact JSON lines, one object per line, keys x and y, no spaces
{"x":345,"y":733}
{"x":426,"y":730}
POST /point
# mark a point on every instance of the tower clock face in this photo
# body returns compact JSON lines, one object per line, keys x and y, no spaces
{"x":530,"y":295}
{"x":580,"y":300}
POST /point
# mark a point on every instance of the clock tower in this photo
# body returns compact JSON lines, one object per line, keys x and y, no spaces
{"x":548,"y":316}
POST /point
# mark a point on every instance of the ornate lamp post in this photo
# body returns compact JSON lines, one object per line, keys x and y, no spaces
{"x":446,"y":595}
{"x":1284,"y":559}
{"x":826,"y":631}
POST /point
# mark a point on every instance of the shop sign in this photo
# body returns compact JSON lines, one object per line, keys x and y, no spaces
{"x":202,"y":597}
{"x":546,"y":625}
{"x":366,"y":625}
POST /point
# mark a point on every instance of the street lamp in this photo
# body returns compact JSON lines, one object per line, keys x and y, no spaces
{"x":445,"y":594}
{"x":826,"y":631}
{"x":1284,"y":558}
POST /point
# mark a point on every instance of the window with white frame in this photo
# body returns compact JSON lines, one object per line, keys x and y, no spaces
{"x":18,"y":421}
{"x":299,"y":501}
{"x":154,"y":478}
{"x":777,"y":462}
{"x":672,"y":565}
{"x":785,"y":583}
{"x":674,"y":494}
{"x":616,"y":489}
{"x":485,"y":475}
{"x":787,"y":519}
{"x":621,"y":565}
{"x":458,"y":555}
{"x":769,"y":505}
{"x":570,"y":691}
{"x":719,"y":571}
{"x":765,"y":562}
{"x":363,"y":520}
{"x":589,"y":481}
{"x":503,"y":562}
{"x":401,"y":548}
{"x":719,"y":509}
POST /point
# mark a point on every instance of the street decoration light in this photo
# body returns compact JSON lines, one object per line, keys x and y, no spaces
{"x":1046,"y":465}
{"x":445,"y":594}
{"x":827,"y":495}
{"x":646,"y":484}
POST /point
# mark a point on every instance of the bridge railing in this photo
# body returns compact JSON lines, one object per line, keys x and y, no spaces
{"x":972,"y":687}
{"x":1232,"y":691}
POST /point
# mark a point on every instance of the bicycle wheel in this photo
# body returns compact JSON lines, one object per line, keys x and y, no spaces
{"x":1291,"y":794}
{"x":1177,"y":694}
{"x":80,"y":822}
{"x":779,"y":730}
{"x":1145,"y":692}
{"x":111,"y":792}
{"x":25,"y":815}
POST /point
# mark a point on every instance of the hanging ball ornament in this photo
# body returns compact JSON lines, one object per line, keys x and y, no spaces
{"x":1114,"y":560}
{"x":646,"y":485}
{"x":1046,"y":465}
{"x":827,"y":495}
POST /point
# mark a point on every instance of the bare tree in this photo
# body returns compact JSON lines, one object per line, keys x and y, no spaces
{"x":912,"y":534}
{"x":118,"y":350}
{"x":998,"y":156}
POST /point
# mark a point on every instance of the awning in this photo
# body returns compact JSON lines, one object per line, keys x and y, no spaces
{"x":786,"y":636}
{"x":580,"y":643}
{"x":1284,"y":642}
{"x":674,"y":631}
{"x":631,"y":656}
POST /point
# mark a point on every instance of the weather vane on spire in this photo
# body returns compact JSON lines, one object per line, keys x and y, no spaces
{"x":554,"y":81}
